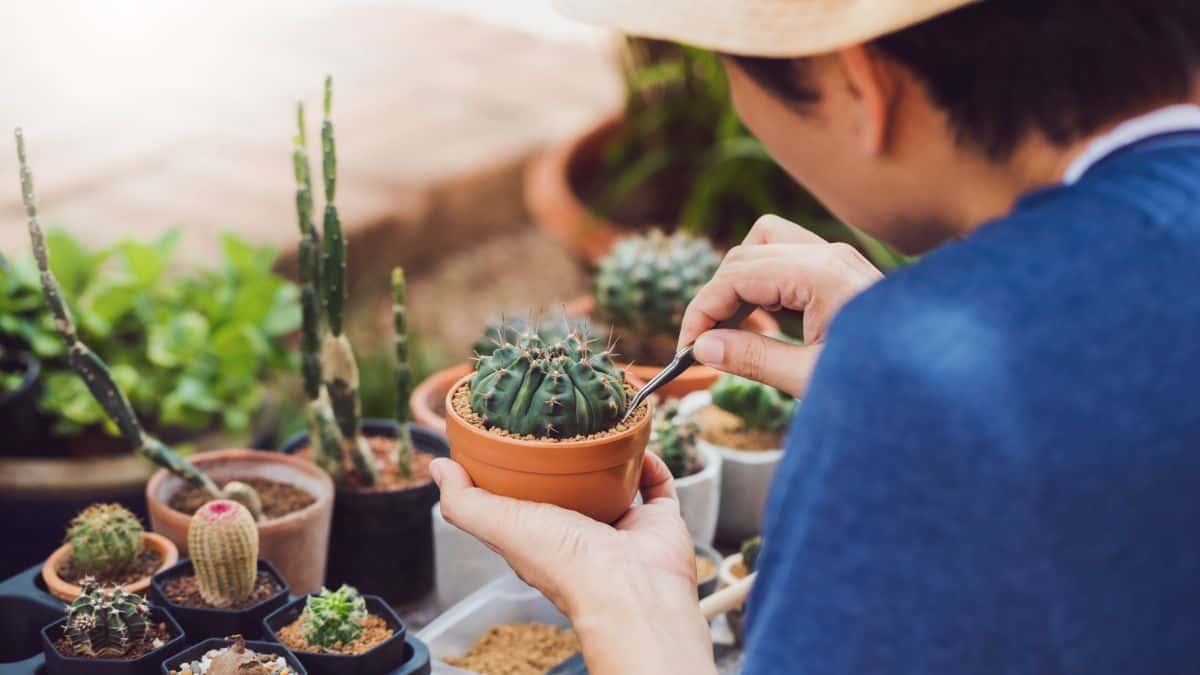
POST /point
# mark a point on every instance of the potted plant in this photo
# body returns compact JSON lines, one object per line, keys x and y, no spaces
{"x":735,"y":568}
{"x":224,"y":588}
{"x":341,"y":631}
{"x":106,"y":543}
{"x":745,"y":422}
{"x":697,"y":471}
{"x":642,"y":288}
{"x":292,"y":499}
{"x":543,"y":421}
{"x":110,"y":631}
{"x":234,"y":655}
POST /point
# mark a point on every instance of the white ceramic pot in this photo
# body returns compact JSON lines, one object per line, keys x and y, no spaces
{"x":462,"y":564}
{"x":745,"y":480}
{"x":700,"y":496}
{"x":726,"y":577}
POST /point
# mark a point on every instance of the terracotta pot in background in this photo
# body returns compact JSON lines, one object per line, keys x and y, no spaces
{"x":429,"y":396}
{"x":596,"y":478}
{"x":295,"y":544}
{"x":67,"y":591}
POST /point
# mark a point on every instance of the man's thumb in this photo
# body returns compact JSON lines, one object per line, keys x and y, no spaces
{"x":784,"y":366}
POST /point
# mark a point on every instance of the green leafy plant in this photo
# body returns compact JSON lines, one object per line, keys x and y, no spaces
{"x":106,"y":623}
{"x":105,"y":538}
{"x":674,"y":440}
{"x":333,"y":618}
{"x":759,"y":406}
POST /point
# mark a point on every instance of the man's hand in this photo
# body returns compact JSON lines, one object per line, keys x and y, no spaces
{"x":779,"y":265}
{"x":629,"y":588}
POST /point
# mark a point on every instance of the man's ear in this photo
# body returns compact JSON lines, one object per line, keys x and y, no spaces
{"x":876,"y":89}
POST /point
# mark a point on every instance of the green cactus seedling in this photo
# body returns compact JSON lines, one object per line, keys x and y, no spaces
{"x":750,"y":550}
{"x":333,"y":619}
{"x":758,"y":405}
{"x":223,"y":544}
{"x":106,"y":623}
{"x":105,"y":539}
{"x":674,"y":440}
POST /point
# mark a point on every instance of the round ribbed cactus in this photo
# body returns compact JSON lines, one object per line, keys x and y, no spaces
{"x":557,"y":389}
{"x":759,"y":406}
{"x":644,"y":285}
{"x":223,"y":544}
{"x":674,"y":440}
{"x":106,"y":623}
{"x":750,"y":550}
{"x":551,"y":328}
{"x":105,"y":539}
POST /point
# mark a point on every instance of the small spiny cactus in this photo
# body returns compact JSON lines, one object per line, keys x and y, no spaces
{"x":106,"y":623}
{"x":750,"y":550}
{"x":558,"y":389}
{"x":223,"y":544}
{"x":105,"y":539}
{"x":759,"y":406}
{"x":334,"y":618}
{"x":674,"y":440}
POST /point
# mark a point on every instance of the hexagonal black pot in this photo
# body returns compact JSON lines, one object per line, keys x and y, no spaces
{"x":194,"y":653}
{"x":401,"y":654}
{"x":58,"y":664}
{"x":24,"y":610}
{"x":378,"y":538}
{"x":207,"y":622}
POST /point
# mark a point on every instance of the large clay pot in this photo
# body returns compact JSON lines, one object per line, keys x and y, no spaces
{"x":597,"y":478}
{"x":67,"y":591}
{"x":695,"y":378}
{"x":427,"y":399}
{"x":295,"y":544}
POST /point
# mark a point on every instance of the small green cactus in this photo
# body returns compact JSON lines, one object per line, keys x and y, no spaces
{"x":105,"y":539}
{"x":334,"y":619}
{"x":644,"y":285}
{"x":558,"y":389}
{"x":674,"y":440}
{"x":551,"y":328}
{"x":108,"y":623}
{"x":223,"y":544}
{"x":758,"y":405}
{"x":750,"y":550}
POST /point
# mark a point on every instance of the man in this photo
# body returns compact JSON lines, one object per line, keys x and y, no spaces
{"x":996,"y":465}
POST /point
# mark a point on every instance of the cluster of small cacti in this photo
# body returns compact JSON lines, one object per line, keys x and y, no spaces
{"x":106,"y":623}
{"x":750,"y":550}
{"x":674,"y":440}
{"x":95,"y":372}
{"x":551,"y":389}
{"x":223,"y":544}
{"x":644,"y":285}
{"x":758,"y":405}
{"x":105,"y":539}
{"x":334,"y":618}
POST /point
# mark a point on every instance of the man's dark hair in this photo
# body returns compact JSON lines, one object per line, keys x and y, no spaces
{"x":1003,"y":68}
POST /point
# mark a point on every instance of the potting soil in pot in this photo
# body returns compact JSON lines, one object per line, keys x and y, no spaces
{"x":375,"y":630}
{"x":236,"y":659}
{"x":518,"y":649}
{"x":144,"y":565}
{"x":278,"y":499}
{"x":462,"y":406}
{"x":704,"y":568}
{"x":727,"y":430}
{"x":185,"y":590}
{"x":157,"y":635}
{"x":388,"y":475}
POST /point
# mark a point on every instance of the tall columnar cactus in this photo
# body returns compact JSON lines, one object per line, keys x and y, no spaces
{"x":759,"y":406}
{"x":644,"y":285}
{"x":106,"y":623}
{"x":105,"y":539}
{"x":333,"y":618}
{"x":404,"y":442}
{"x":223,"y":544}
{"x":674,"y":440}
{"x":750,"y":550}
{"x":558,"y":389}
{"x":92,"y":368}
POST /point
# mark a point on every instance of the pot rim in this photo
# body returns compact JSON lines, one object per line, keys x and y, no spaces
{"x":428,"y":392}
{"x":218,"y":642}
{"x":725,"y":573}
{"x":179,"y":568}
{"x":385,"y":611}
{"x":693,"y":403}
{"x":157,"y":612}
{"x":301,"y":437}
{"x":65,"y":590}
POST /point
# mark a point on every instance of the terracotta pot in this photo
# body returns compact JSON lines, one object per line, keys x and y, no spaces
{"x":696,"y":378}
{"x":429,"y":395}
{"x":67,"y":591}
{"x":295,"y":544}
{"x":597,"y":478}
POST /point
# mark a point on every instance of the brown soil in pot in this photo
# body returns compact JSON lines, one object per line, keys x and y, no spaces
{"x":462,"y":405}
{"x":518,"y":649}
{"x":144,"y":565}
{"x":375,"y":631}
{"x":723,"y":428}
{"x":388,"y":476}
{"x":185,"y":590}
{"x":278,"y":499}
{"x":705,"y":569}
{"x":157,"y":635}
{"x":739,"y":570}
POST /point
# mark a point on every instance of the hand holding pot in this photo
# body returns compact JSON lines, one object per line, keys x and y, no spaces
{"x":779,"y":265}
{"x":628,"y":588}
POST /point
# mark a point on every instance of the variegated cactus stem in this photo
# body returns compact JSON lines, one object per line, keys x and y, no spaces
{"x":87,"y":363}
{"x":324,"y":440}
{"x":310,"y":264}
{"x":223,"y":545}
{"x":341,"y":384}
{"x":403,"y":455}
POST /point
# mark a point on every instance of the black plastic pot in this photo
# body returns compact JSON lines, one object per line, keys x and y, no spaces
{"x":24,"y":609}
{"x":206,"y":622}
{"x":401,"y":654}
{"x":148,"y":664}
{"x":381,"y":542}
{"x":24,"y":428}
{"x":195,"y":652}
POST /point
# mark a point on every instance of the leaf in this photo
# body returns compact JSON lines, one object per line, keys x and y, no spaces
{"x":107,"y":301}
{"x":178,"y":341}
{"x":240,"y":350}
{"x":246,"y":260}
{"x":71,"y":263}
{"x":284,"y":315}
{"x":144,"y":263}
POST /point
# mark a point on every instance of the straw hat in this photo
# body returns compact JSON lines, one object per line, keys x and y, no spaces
{"x":779,"y":28}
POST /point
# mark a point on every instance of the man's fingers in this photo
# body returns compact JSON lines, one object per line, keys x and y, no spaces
{"x":657,"y":482}
{"x":770,"y":229}
{"x":785,"y":366}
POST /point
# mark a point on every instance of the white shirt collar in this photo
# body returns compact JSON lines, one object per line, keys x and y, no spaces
{"x":1180,"y":117}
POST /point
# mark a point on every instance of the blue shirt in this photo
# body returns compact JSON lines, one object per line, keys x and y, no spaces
{"x":996,"y":468}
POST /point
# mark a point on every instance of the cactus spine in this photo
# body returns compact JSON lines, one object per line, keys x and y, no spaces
{"x":105,"y":539}
{"x":106,"y":623}
{"x":674,"y":440}
{"x":334,"y":618}
{"x":223,"y":544}
{"x":404,"y":442}
{"x":551,"y":328}
{"x":759,"y":406}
